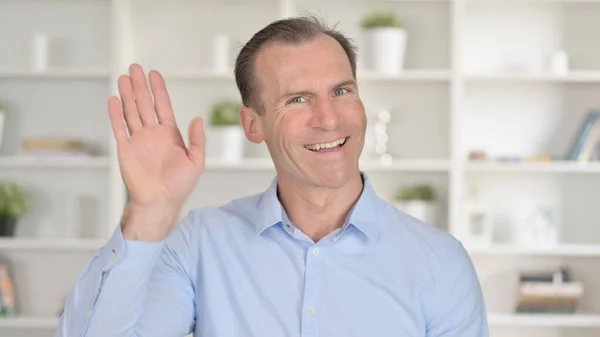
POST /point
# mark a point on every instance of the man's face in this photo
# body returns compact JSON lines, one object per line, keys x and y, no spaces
{"x":314,"y":120}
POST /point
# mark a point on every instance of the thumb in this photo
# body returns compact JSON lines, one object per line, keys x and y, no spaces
{"x":197,"y":142}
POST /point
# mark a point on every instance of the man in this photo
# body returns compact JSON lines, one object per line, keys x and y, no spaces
{"x":316,"y":254}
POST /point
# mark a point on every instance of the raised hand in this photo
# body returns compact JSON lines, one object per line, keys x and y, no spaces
{"x":158,"y":169}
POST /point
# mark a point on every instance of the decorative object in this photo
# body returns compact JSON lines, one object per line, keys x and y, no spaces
{"x":14,"y":203}
{"x":385,"y":43}
{"x":381,"y":137}
{"x":40,"y":46}
{"x":2,"y":121}
{"x":225,"y":119}
{"x":559,"y":63}
{"x":478,"y":228}
{"x":418,"y":201}
{"x":221,"y":53}
{"x":539,"y":229}
{"x":8,"y":295}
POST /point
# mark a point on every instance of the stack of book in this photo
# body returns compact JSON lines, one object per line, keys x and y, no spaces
{"x":55,"y":147}
{"x":552,"y":293}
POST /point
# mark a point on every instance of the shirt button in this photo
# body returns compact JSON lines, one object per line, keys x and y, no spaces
{"x":316,"y":251}
{"x":87,"y":310}
{"x":115,"y":255}
{"x":311,"y":310}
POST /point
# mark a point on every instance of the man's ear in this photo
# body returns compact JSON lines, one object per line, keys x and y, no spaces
{"x":252,"y":125}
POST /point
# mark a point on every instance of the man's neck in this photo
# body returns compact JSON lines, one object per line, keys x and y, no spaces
{"x":318,"y":211}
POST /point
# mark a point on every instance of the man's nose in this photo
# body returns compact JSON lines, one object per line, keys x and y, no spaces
{"x":325,"y":115}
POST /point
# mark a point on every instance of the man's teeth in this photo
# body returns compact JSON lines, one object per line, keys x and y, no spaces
{"x":317,"y":147}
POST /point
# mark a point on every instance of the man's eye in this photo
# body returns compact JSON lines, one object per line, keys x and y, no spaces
{"x":340,"y":91}
{"x":297,"y":100}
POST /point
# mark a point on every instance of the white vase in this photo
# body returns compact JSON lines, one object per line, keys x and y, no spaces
{"x":422,"y":210}
{"x":230,"y":141}
{"x":220,"y":53}
{"x":385,"y":49}
{"x":2,"y":121}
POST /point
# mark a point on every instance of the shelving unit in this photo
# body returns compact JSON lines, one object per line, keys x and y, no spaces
{"x":453,"y":97}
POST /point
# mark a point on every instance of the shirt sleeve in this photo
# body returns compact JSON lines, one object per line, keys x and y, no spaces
{"x":455,"y":307}
{"x":133,"y":288}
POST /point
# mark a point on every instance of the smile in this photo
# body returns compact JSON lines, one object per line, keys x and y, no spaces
{"x":325,"y":146}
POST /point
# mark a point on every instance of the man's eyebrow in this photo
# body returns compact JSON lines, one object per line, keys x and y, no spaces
{"x":350,"y":82}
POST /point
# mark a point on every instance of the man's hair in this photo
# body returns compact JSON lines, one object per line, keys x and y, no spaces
{"x":291,"y":30}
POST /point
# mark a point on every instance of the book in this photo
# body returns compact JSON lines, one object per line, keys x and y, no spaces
{"x":587,"y":138}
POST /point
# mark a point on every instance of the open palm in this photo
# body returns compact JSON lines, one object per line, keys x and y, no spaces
{"x":155,"y":163}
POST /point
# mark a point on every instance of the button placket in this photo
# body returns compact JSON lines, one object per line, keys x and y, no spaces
{"x":311,"y":292}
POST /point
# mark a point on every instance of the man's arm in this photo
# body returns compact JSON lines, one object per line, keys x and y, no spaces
{"x":133,"y":288}
{"x":455,"y":305}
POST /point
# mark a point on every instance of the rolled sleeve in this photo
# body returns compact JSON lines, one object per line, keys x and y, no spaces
{"x":131,"y":256}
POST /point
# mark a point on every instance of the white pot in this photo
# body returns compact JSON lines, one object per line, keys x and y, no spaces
{"x":385,"y":49}
{"x":2,"y":120}
{"x":422,"y":210}
{"x":230,"y":142}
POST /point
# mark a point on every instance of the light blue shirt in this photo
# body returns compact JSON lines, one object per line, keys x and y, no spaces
{"x":243,"y":269}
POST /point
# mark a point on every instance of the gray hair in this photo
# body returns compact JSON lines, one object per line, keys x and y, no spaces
{"x":291,"y":30}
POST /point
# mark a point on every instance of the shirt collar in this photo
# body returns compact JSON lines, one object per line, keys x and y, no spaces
{"x":364,"y":214}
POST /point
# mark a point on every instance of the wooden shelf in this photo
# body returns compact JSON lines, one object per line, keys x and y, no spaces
{"x":544,"y":320}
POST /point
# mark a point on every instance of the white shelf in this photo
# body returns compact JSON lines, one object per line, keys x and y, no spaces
{"x":42,"y":162}
{"x":366,"y":76}
{"x":564,"y":250}
{"x":544,"y":320}
{"x":48,"y":244}
{"x":535,"y":167}
{"x":259,"y":164}
{"x":29,"y":322}
{"x":420,"y":165}
{"x":406,"y":75}
{"x":59,"y":73}
{"x":573,"y":77}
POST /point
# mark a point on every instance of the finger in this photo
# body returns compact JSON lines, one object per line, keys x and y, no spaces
{"x":117,"y":122}
{"x":131,"y":114}
{"x":197,"y":144}
{"x":143,"y":98}
{"x":162,"y":101}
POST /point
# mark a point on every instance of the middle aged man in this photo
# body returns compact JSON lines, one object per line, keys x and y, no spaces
{"x":317,"y":254}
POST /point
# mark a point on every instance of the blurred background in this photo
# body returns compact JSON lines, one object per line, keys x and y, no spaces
{"x":482,"y":122}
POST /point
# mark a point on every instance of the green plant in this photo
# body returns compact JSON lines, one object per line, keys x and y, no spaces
{"x":417,"y":192}
{"x":225,"y":112}
{"x":380,"y":19}
{"x":14,"y":201}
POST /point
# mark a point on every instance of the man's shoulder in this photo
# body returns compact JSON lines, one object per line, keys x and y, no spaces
{"x":238,"y":214}
{"x":435,"y":245}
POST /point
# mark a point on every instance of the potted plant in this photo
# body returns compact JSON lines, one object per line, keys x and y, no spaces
{"x":385,"y":42}
{"x":226,"y":127}
{"x":418,"y":201}
{"x":14,"y":202}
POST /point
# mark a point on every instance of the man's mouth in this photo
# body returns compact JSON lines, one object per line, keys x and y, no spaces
{"x":325,"y":147}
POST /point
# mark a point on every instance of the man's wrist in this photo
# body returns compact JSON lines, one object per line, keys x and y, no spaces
{"x":148,"y":223}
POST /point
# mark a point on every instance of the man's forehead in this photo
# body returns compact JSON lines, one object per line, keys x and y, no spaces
{"x":291,"y":64}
